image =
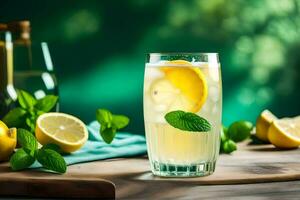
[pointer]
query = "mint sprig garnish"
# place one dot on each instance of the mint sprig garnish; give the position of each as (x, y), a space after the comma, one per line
(187, 121)
(110, 124)
(29, 109)
(47, 156)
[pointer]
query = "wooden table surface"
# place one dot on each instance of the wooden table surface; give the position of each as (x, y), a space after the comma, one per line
(252, 172)
(268, 161)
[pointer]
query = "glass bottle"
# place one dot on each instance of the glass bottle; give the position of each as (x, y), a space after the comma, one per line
(33, 67)
(22, 44)
(8, 94)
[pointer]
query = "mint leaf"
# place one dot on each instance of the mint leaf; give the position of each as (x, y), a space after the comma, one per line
(21, 160)
(47, 103)
(120, 121)
(229, 146)
(51, 160)
(25, 116)
(239, 130)
(25, 99)
(107, 134)
(15, 117)
(104, 117)
(30, 122)
(187, 121)
(110, 124)
(27, 140)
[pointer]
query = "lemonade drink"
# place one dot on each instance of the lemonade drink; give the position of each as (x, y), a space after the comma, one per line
(190, 83)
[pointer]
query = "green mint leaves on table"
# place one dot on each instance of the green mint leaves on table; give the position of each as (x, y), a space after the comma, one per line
(21, 160)
(27, 141)
(187, 121)
(28, 111)
(48, 156)
(110, 124)
(237, 132)
(52, 160)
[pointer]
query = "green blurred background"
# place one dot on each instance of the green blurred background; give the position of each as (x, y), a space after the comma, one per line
(99, 47)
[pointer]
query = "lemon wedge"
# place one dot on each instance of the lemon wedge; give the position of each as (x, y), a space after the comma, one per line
(285, 133)
(67, 131)
(263, 123)
(183, 87)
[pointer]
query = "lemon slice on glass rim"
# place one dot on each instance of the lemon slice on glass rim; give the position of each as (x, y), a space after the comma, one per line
(64, 130)
(183, 87)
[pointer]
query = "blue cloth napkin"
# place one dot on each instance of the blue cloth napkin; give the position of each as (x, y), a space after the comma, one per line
(124, 145)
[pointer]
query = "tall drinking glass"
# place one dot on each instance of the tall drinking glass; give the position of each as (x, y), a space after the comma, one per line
(189, 82)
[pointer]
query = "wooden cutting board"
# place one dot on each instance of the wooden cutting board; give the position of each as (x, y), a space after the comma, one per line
(250, 164)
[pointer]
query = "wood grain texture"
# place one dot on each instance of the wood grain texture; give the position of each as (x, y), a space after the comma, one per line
(33, 183)
(133, 179)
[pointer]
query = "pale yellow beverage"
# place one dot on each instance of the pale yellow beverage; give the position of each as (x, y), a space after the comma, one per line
(191, 83)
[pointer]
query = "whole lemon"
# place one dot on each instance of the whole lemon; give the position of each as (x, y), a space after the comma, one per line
(8, 141)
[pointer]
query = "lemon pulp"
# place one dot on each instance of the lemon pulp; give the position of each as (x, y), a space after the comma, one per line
(285, 133)
(65, 130)
(183, 88)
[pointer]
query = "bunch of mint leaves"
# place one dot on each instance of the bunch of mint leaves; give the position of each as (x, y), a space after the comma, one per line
(187, 121)
(25, 115)
(110, 124)
(48, 156)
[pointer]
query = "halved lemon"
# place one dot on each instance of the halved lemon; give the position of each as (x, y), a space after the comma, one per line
(263, 123)
(183, 87)
(65, 130)
(284, 133)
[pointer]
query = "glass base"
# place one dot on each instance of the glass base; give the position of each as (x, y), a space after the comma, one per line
(172, 170)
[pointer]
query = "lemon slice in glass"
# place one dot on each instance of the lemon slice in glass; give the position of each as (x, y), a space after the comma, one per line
(67, 131)
(183, 87)
(284, 133)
